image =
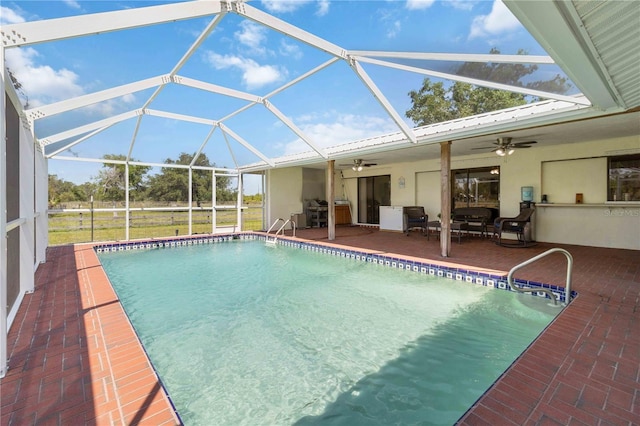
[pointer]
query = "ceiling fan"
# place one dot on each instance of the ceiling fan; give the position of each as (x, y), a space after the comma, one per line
(359, 164)
(505, 146)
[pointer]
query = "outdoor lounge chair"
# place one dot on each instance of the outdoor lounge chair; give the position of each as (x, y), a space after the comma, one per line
(515, 225)
(415, 217)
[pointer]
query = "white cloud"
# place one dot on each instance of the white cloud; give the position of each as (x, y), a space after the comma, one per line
(44, 85)
(323, 7)
(287, 6)
(394, 29)
(252, 35)
(41, 83)
(419, 4)
(254, 75)
(390, 21)
(335, 129)
(72, 3)
(8, 16)
(111, 106)
(462, 4)
(291, 50)
(283, 6)
(499, 20)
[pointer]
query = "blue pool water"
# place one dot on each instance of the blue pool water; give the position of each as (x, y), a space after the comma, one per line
(246, 334)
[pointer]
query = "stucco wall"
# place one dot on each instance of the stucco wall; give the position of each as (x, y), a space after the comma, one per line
(599, 225)
(284, 189)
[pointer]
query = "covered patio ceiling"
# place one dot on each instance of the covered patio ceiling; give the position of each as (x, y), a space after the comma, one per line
(595, 44)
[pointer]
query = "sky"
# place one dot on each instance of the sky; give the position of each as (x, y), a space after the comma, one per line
(331, 107)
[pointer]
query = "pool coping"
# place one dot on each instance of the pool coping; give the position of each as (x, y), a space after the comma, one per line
(480, 276)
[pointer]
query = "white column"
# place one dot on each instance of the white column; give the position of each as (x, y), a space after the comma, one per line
(190, 200)
(126, 200)
(240, 196)
(331, 213)
(264, 200)
(214, 197)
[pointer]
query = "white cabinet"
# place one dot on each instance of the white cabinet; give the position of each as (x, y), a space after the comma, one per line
(391, 218)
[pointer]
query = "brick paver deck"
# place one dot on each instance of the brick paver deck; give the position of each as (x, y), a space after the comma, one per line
(74, 358)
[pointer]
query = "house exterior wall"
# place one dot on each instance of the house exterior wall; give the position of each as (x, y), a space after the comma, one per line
(284, 193)
(559, 171)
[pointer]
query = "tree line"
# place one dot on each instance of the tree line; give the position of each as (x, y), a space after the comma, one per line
(170, 185)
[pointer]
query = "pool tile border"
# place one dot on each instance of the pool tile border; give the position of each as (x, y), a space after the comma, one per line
(383, 259)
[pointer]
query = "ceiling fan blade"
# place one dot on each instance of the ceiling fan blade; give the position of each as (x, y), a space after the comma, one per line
(520, 144)
(370, 164)
(485, 147)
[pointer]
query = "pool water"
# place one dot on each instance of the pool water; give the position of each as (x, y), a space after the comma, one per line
(246, 334)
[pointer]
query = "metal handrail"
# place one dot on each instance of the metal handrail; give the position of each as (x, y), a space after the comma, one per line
(545, 290)
(275, 237)
(275, 223)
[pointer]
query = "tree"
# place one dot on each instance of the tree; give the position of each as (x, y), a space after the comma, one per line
(172, 184)
(111, 179)
(434, 103)
(62, 191)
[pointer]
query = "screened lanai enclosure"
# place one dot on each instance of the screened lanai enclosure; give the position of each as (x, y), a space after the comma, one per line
(157, 119)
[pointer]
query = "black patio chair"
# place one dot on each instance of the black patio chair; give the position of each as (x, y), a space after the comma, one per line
(415, 217)
(515, 225)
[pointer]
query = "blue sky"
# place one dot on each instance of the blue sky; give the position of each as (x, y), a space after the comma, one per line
(331, 107)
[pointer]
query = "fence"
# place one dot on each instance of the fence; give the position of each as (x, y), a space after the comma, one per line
(81, 224)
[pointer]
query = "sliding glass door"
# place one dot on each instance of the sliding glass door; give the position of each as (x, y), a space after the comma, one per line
(373, 192)
(479, 187)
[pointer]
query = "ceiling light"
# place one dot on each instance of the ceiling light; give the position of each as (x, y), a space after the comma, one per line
(500, 152)
(511, 151)
(356, 168)
(495, 171)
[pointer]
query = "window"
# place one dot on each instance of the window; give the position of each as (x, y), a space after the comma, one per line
(624, 178)
(476, 187)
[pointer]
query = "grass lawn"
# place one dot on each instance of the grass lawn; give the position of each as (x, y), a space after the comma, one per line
(74, 227)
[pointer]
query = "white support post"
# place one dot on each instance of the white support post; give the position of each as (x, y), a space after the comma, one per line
(331, 214)
(264, 200)
(190, 201)
(240, 196)
(214, 193)
(3, 225)
(126, 201)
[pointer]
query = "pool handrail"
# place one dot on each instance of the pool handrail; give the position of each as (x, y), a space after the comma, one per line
(545, 290)
(275, 237)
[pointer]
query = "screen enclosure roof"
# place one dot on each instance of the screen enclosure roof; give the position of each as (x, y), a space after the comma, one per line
(255, 85)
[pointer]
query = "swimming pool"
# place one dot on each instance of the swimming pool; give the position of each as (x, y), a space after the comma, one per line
(244, 334)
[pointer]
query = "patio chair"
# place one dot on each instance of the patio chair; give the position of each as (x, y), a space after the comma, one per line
(515, 225)
(415, 217)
